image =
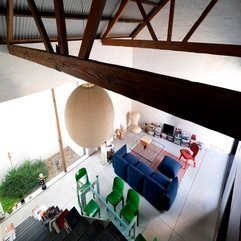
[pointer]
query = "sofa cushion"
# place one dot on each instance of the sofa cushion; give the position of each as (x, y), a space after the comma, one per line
(161, 179)
(120, 167)
(131, 159)
(145, 169)
(154, 192)
(122, 151)
(135, 178)
(169, 167)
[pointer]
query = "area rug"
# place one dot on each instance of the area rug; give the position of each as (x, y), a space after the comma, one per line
(155, 163)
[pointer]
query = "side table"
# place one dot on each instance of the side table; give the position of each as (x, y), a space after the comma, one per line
(145, 141)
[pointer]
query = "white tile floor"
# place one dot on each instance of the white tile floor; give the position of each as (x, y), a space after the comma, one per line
(192, 217)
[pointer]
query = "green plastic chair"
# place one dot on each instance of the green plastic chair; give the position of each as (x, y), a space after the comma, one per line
(82, 179)
(116, 195)
(130, 210)
(140, 237)
(91, 208)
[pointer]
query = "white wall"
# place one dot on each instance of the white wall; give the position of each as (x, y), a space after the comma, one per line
(20, 77)
(28, 131)
(27, 123)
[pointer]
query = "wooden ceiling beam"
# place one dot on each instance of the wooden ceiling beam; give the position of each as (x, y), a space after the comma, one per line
(205, 48)
(199, 21)
(9, 21)
(61, 27)
(38, 40)
(40, 26)
(130, 20)
(151, 15)
(170, 22)
(146, 20)
(115, 18)
(202, 104)
(94, 18)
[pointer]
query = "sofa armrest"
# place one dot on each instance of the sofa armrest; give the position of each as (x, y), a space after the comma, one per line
(171, 193)
(122, 151)
(120, 166)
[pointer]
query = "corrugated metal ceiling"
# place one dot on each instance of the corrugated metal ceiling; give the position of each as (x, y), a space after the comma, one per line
(24, 27)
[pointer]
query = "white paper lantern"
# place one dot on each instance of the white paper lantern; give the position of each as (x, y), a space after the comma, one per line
(89, 115)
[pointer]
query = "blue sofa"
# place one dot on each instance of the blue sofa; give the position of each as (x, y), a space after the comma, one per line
(158, 187)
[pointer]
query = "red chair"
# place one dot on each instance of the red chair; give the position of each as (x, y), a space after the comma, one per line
(190, 154)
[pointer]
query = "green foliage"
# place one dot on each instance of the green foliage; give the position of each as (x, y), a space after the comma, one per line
(8, 203)
(21, 181)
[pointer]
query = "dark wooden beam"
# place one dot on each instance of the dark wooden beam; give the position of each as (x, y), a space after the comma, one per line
(115, 18)
(61, 27)
(9, 21)
(151, 15)
(40, 26)
(170, 22)
(205, 48)
(212, 107)
(147, 22)
(199, 21)
(95, 13)
(38, 40)
(130, 20)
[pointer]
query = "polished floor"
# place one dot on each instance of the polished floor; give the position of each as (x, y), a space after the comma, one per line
(193, 215)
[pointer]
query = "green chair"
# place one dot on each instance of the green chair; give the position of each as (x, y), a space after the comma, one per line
(130, 210)
(91, 208)
(116, 195)
(140, 237)
(82, 179)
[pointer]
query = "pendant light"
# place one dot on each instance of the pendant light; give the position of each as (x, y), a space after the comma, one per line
(89, 115)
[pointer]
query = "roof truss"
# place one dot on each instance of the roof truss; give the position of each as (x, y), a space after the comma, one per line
(169, 44)
(160, 91)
